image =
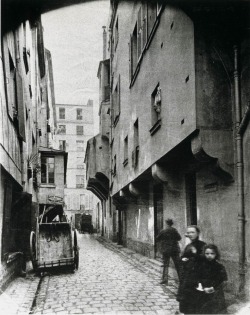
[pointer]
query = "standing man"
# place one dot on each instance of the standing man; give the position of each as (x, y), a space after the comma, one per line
(169, 247)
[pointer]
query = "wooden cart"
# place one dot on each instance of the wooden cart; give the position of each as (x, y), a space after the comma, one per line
(53, 244)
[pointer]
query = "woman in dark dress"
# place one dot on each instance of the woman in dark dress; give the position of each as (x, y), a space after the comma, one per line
(187, 295)
(212, 274)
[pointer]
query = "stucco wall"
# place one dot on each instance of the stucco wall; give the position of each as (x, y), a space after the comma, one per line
(158, 66)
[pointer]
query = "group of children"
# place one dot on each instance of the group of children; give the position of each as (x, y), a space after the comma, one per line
(201, 278)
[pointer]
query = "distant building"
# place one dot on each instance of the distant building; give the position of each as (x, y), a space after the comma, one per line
(75, 125)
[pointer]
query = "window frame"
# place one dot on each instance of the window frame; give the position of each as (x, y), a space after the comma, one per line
(62, 115)
(62, 145)
(144, 36)
(80, 185)
(79, 115)
(116, 103)
(78, 148)
(125, 157)
(155, 111)
(47, 182)
(77, 130)
(61, 131)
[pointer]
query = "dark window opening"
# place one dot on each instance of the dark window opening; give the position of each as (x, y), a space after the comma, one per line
(125, 162)
(61, 113)
(79, 114)
(79, 130)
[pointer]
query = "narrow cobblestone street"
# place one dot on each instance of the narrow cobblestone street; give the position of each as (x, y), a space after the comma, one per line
(104, 283)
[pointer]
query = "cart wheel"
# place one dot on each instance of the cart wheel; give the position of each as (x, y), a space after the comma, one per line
(76, 251)
(33, 249)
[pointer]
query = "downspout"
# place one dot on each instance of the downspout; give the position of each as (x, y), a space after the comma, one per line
(240, 174)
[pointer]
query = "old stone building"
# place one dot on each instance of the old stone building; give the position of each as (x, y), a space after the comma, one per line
(28, 125)
(179, 137)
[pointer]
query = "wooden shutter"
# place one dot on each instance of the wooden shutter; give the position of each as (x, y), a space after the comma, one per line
(20, 105)
(131, 58)
(139, 33)
(118, 95)
(144, 25)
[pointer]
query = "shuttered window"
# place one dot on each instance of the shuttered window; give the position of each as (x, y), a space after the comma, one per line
(20, 106)
(116, 101)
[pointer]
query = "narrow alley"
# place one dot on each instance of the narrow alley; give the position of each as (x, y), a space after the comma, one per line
(104, 283)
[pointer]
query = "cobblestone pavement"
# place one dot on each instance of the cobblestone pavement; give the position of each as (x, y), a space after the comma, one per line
(105, 283)
(19, 295)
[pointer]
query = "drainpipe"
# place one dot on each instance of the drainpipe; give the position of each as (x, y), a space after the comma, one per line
(240, 174)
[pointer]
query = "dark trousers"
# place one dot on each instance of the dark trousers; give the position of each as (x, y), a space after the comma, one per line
(166, 259)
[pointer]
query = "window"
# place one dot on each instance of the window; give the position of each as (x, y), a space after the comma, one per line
(80, 181)
(80, 145)
(133, 52)
(156, 98)
(47, 170)
(135, 152)
(80, 162)
(191, 203)
(61, 129)
(116, 33)
(25, 59)
(125, 162)
(12, 88)
(62, 145)
(79, 114)
(82, 202)
(114, 166)
(145, 27)
(61, 113)
(79, 130)
(116, 102)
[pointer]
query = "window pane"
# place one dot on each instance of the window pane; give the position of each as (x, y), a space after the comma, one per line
(47, 170)
(79, 130)
(43, 170)
(80, 145)
(79, 114)
(62, 129)
(61, 113)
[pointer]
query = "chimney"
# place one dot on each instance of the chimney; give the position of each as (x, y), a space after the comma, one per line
(104, 42)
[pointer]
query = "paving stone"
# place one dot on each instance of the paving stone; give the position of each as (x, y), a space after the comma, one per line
(106, 282)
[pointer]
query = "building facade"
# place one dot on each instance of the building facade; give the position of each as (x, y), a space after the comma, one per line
(179, 136)
(74, 128)
(27, 123)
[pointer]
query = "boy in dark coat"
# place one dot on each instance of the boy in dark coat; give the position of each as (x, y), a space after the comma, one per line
(212, 274)
(169, 247)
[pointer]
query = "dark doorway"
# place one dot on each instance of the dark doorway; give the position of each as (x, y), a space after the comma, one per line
(158, 212)
(121, 227)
